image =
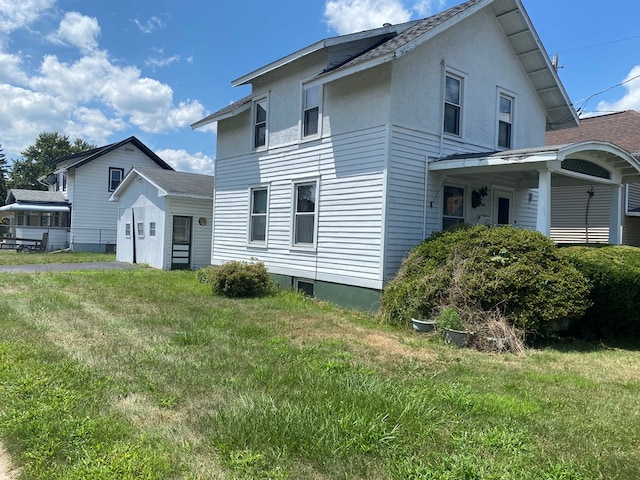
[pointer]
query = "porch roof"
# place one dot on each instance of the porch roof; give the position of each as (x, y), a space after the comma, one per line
(623, 167)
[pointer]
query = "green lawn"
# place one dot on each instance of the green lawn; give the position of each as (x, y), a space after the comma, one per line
(11, 257)
(144, 374)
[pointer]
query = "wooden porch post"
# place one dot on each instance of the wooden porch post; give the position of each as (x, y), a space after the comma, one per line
(543, 219)
(615, 216)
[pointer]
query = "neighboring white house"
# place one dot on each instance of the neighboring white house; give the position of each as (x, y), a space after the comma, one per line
(164, 218)
(352, 150)
(84, 181)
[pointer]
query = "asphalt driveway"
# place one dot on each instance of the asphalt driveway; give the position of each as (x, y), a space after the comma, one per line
(64, 267)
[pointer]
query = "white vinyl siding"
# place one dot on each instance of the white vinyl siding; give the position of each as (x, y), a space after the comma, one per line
(349, 209)
(94, 217)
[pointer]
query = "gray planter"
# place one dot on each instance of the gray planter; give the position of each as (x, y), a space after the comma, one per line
(423, 326)
(461, 338)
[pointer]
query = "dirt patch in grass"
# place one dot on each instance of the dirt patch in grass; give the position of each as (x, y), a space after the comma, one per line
(7, 470)
(381, 345)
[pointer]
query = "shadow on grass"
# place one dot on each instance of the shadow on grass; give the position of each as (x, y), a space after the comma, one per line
(568, 343)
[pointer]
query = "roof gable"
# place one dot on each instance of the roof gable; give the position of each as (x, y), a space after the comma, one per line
(396, 41)
(77, 160)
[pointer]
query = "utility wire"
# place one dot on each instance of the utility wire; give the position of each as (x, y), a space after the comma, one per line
(584, 103)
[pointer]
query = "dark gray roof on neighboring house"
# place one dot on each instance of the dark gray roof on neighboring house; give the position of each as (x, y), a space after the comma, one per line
(179, 183)
(621, 128)
(34, 196)
(79, 159)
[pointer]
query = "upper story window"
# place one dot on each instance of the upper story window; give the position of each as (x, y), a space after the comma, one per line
(311, 110)
(305, 209)
(452, 104)
(505, 121)
(258, 215)
(115, 177)
(260, 109)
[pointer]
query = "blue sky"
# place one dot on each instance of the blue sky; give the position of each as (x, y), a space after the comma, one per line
(106, 70)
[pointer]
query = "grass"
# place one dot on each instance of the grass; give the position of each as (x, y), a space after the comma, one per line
(11, 257)
(144, 374)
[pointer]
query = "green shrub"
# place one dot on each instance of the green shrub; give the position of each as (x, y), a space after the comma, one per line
(518, 272)
(614, 272)
(240, 279)
(206, 274)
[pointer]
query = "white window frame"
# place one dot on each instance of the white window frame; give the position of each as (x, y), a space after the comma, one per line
(140, 229)
(127, 230)
(295, 214)
(252, 215)
(152, 229)
(264, 103)
(511, 97)
(463, 217)
(459, 106)
(111, 170)
(306, 108)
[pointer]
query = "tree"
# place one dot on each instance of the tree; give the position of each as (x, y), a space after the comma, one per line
(39, 159)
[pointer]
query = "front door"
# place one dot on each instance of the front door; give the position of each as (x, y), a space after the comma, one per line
(502, 207)
(181, 243)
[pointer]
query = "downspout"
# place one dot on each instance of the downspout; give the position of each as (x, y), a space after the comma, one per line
(443, 72)
(591, 193)
(133, 233)
(424, 206)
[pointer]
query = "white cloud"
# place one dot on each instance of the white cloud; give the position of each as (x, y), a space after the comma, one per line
(426, 8)
(15, 14)
(184, 161)
(150, 26)
(79, 31)
(91, 123)
(11, 71)
(160, 60)
(631, 99)
(348, 16)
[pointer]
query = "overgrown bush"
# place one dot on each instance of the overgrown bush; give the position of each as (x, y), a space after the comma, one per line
(239, 279)
(516, 272)
(614, 272)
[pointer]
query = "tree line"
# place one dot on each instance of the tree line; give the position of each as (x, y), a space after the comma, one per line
(37, 160)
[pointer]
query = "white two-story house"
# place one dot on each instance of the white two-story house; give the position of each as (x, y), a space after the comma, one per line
(352, 150)
(76, 212)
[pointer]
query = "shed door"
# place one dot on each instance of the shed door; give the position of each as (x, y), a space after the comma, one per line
(181, 243)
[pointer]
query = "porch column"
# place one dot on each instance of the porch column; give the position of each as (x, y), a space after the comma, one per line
(615, 216)
(543, 219)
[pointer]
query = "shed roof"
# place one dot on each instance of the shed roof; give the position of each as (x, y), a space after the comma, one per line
(170, 183)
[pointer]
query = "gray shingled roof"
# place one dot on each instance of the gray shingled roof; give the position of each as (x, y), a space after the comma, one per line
(409, 35)
(179, 183)
(35, 196)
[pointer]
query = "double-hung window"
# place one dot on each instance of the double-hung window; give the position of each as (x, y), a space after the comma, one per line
(260, 110)
(452, 104)
(505, 121)
(305, 211)
(259, 198)
(115, 177)
(140, 229)
(452, 206)
(127, 230)
(152, 229)
(311, 110)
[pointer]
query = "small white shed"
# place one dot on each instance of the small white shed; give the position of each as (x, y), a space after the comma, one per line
(164, 218)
